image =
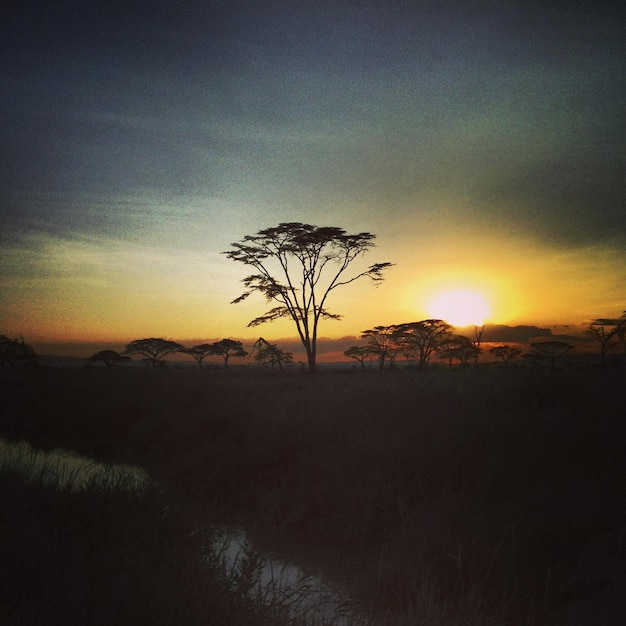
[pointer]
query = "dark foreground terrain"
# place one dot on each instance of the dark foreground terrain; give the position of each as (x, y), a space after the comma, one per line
(436, 497)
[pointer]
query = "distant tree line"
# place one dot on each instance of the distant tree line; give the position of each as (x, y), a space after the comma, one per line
(154, 350)
(296, 267)
(423, 340)
(417, 341)
(414, 341)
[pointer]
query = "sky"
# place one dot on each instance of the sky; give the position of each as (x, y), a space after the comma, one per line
(481, 142)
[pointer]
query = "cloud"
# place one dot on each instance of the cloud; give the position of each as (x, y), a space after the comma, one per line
(513, 334)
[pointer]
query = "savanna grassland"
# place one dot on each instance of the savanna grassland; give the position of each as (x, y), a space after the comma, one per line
(434, 497)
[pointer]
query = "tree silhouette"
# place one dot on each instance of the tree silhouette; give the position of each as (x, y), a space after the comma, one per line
(228, 348)
(297, 266)
(420, 339)
(478, 337)
(16, 352)
(506, 353)
(548, 352)
(109, 358)
(265, 353)
(199, 353)
(382, 342)
(359, 353)
(608, 333)
(154, 350)
(457, 347)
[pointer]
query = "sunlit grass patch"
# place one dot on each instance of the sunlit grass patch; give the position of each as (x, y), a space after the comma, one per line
(66, 470)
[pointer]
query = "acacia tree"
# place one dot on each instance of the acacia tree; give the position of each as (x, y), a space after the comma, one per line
(297, 266)
(608, 333)
(457, 347)
(109, 358)
(154, 350)
(382, 342)
(227, 348)
(420, 339)
(548, 352)
(359, 353)
(506, 353)
(265, 353)
(200, 352)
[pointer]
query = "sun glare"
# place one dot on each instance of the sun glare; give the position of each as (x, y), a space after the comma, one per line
(460, 308)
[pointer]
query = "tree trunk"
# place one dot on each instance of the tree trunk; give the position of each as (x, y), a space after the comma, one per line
(311, 361)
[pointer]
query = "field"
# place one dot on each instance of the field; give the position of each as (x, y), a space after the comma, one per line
(432, 497)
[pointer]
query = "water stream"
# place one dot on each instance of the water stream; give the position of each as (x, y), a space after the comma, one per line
(268, 577)
(311, 600)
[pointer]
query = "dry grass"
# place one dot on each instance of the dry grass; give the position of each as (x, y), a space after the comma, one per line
(439, 496)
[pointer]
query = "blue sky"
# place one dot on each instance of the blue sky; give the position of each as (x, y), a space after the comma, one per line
(482, 142)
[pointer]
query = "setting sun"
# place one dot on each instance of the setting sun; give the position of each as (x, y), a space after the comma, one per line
(460, 308)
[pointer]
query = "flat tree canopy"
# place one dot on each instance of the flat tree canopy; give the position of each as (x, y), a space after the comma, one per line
(153, 349)
(297, 266)
(609, 332)
(109, 357)
(227, 348)
(200, 352)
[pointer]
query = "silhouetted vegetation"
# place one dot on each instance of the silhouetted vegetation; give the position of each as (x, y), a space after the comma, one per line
(359, 353)
(547, 352)
(153, 350)
(416, 341)
(435, 497)
(227, 348)
(506, 353)
(266, 353)
(109, 358)
(200, 352)
(297, 266)
(457, 348)
(382, 344)
(609, 333)
(15, 352)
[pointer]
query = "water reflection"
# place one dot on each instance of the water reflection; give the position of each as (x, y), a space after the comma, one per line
(310, 600)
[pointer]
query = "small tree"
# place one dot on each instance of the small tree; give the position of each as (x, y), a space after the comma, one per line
(478, 338)
(548, 352)
(420, 339)
(297, 266)
(109, 358)
(505, 353)
(382, 342)
(16, 352)
(154, 350)
(228, 348)
(609, 333)
(457, 347)
(200, 352)
(359, 353)
(265, 353)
